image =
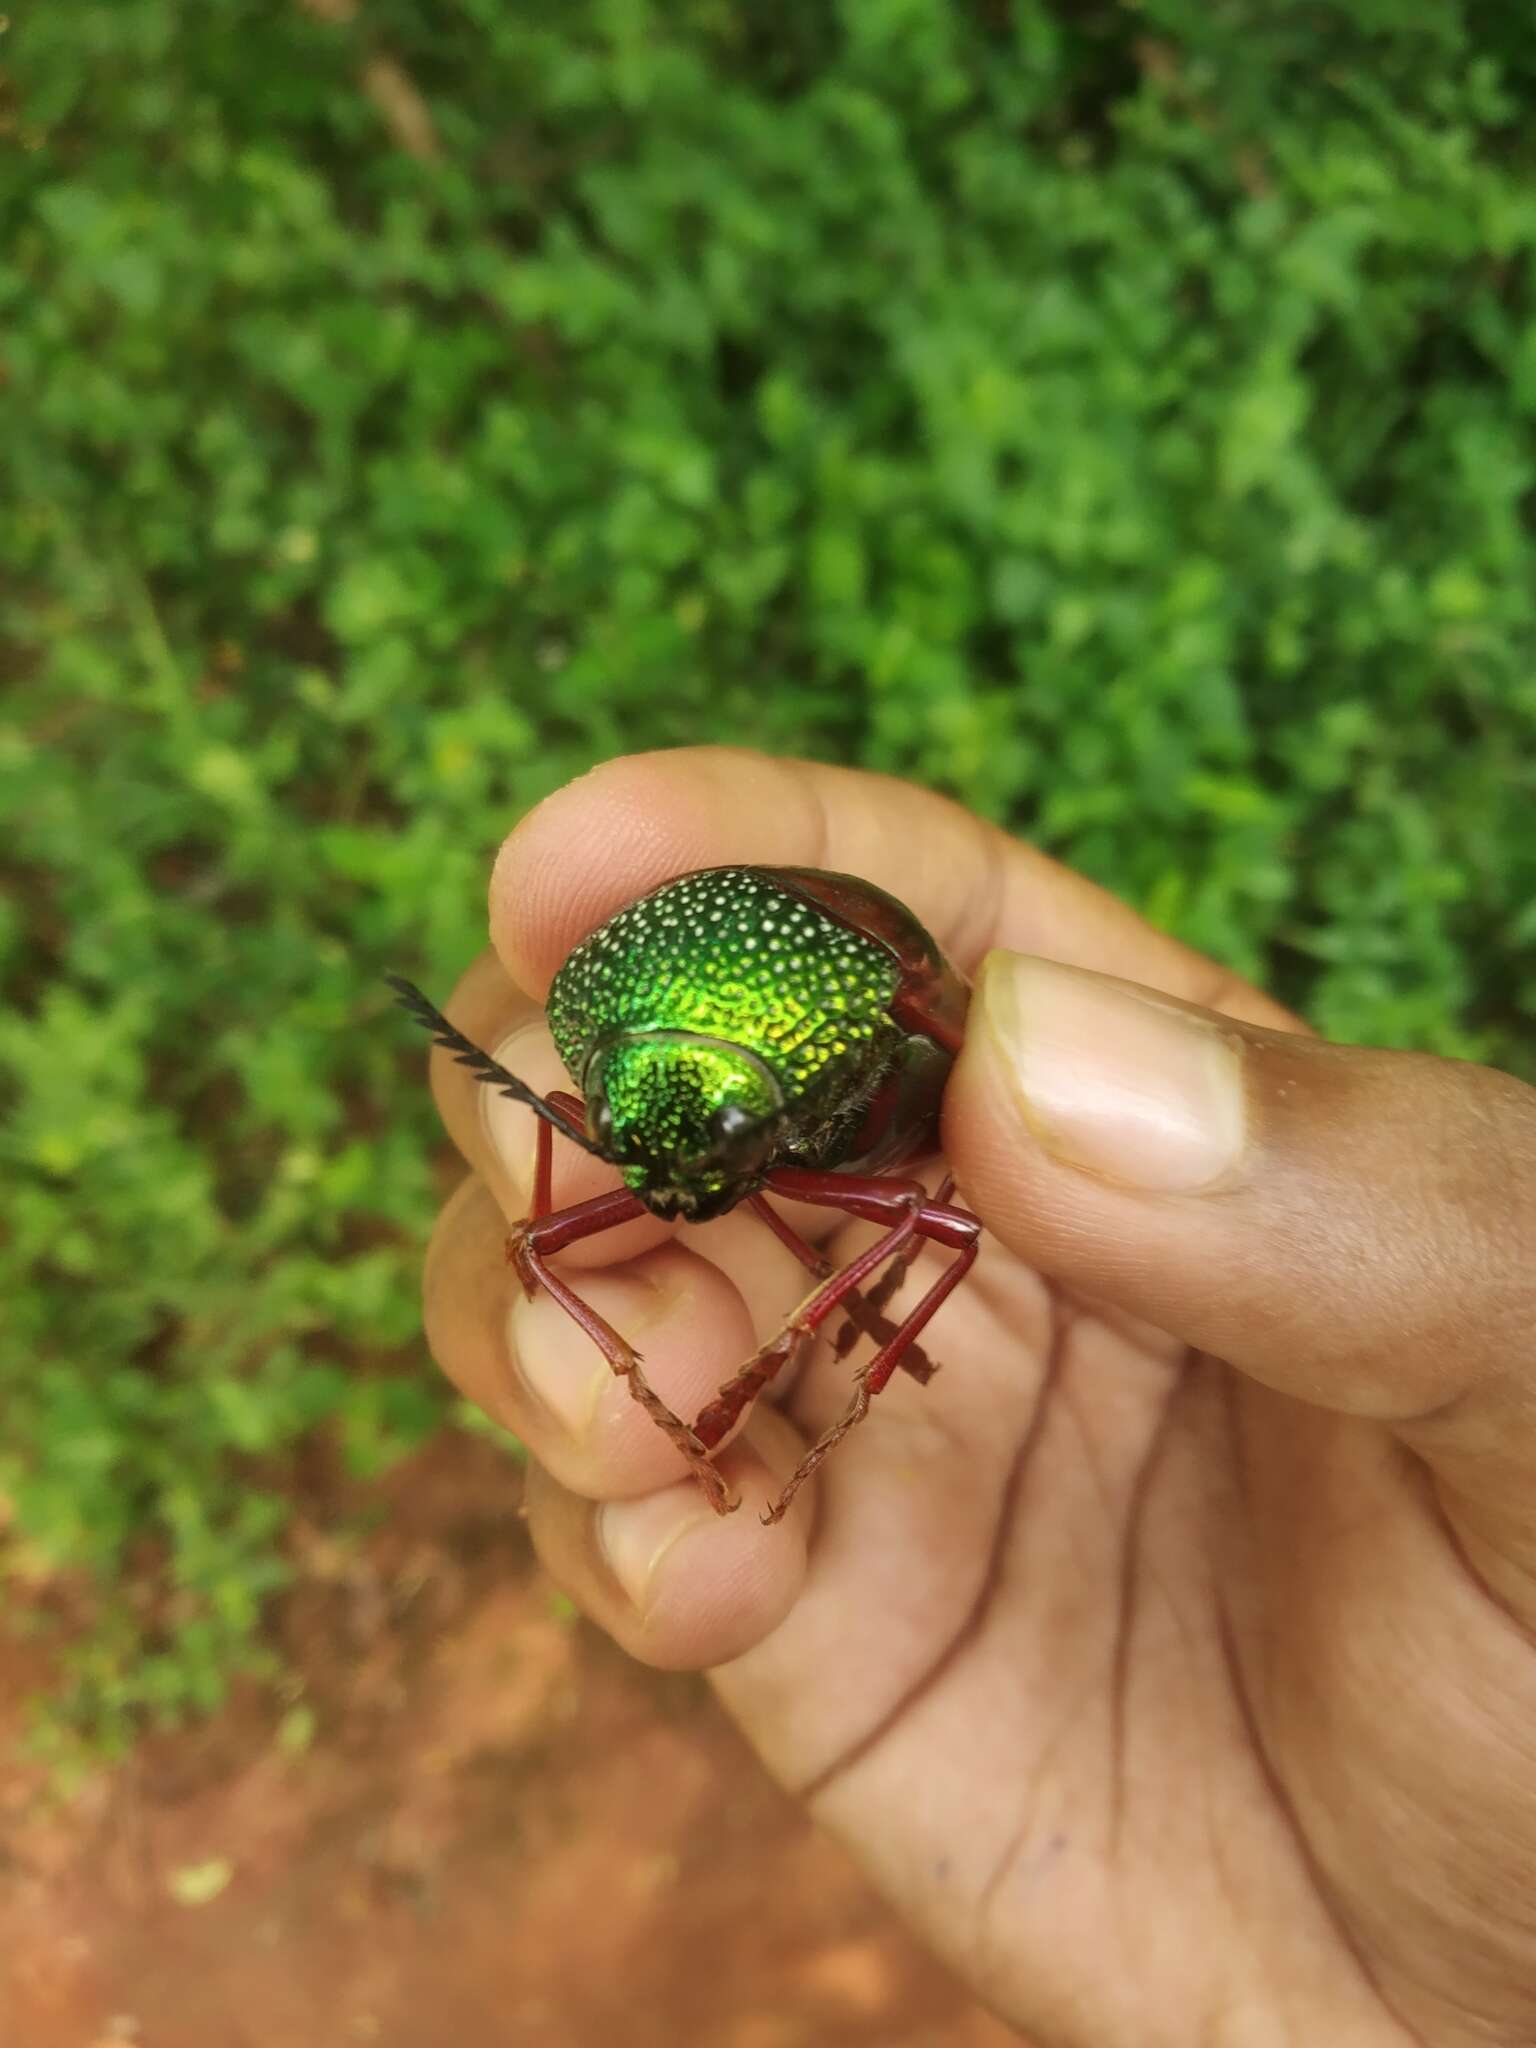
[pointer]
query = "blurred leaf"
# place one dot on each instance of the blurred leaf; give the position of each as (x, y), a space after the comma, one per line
(1121, 418)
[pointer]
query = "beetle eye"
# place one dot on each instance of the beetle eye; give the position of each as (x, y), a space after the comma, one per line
(737, 1138)
(730, 1123)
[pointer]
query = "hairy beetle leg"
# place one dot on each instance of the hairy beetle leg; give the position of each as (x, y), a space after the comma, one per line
(545, 1232)
(863, 1310)
(530, 1243)
(912, 1215)
(872, 1377)
(914, 1360)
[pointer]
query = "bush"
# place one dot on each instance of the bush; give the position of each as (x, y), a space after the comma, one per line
(1120, 416)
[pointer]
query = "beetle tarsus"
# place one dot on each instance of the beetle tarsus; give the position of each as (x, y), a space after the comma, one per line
(853, 1414)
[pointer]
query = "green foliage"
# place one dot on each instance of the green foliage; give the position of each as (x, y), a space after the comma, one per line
(1121, 416)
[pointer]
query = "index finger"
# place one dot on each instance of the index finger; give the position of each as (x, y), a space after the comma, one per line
(636, 822)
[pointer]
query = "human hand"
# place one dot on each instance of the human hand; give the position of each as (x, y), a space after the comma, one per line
(1170, 1661)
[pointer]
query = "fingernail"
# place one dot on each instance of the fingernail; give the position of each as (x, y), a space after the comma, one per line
(509, 1125)
(557, 1361)
(637, 1536)
(1113, 1078)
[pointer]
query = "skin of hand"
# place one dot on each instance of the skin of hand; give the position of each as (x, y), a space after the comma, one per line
(1170, 1661)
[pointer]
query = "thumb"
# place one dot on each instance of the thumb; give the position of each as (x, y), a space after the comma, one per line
(1352, 1227)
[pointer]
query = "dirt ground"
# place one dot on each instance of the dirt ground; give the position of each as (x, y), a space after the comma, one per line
(478, 1826)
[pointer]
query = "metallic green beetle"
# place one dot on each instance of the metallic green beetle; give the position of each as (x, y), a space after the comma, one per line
(738, 1032)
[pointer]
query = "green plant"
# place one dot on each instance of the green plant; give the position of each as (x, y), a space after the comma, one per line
(1120, 416)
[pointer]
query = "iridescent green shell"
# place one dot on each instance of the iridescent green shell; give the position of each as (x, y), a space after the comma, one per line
(731, 958)
(727, 954)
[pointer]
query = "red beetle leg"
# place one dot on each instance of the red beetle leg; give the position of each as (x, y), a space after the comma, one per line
(906, 1207)
(871, 1378)
(546, 1232)
(543, 1170)
(718, 1417)
(916, 1360)
(569, 1106)
(864, 1310)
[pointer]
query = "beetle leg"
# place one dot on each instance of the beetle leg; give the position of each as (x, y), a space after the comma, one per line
(915, 1360)
(543, 1180)
(815, 1262)
(912, 1214)
(872, 1376)
(529, 1248)
(737, 1394)
(543, 1163)
(864, 1317)
(541, 1206)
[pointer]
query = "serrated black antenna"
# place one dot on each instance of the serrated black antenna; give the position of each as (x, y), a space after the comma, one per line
(481, 1065)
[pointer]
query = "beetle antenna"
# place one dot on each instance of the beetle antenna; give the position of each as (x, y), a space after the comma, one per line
(481, 1065)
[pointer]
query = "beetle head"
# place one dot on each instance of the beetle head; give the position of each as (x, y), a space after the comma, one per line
(689, 1121)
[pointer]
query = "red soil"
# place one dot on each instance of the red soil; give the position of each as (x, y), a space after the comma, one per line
(500, 1834)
